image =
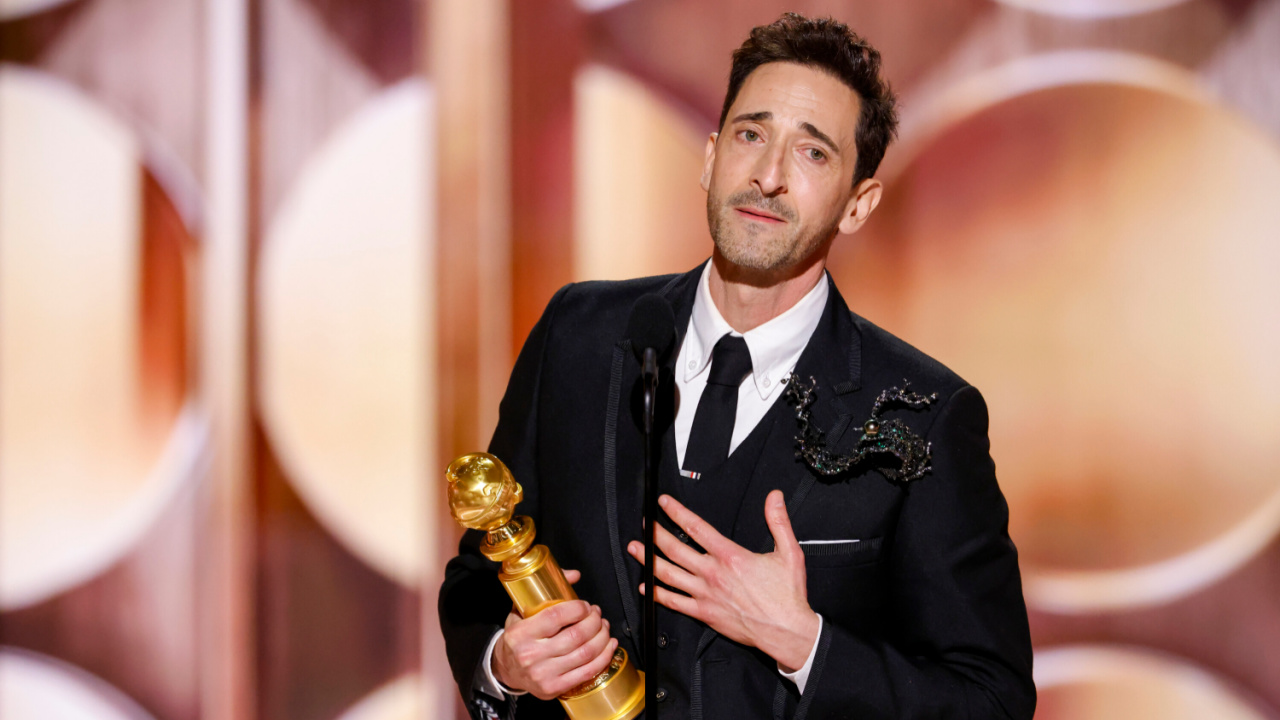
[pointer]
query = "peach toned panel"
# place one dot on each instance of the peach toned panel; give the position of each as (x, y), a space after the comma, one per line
(1096, 253)
(400, 699)
(1117, 683)
(310, 84)
(345, 357)
(87, 464)
(639, 209)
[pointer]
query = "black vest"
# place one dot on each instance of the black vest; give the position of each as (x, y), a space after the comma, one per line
(716, 497)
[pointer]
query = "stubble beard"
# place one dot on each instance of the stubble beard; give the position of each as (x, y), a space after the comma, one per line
(747, 248)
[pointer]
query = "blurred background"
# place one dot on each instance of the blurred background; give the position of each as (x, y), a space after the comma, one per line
(265, 265)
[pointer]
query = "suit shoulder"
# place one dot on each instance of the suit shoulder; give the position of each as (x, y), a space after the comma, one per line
(887, 358)
(602, 303)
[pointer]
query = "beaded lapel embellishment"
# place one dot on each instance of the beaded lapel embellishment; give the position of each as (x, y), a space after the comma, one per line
(881, 441)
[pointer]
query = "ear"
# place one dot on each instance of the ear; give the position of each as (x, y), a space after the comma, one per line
(709, 161)
(865, 199)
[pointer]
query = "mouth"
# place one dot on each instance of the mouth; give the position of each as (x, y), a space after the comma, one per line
(755, 213)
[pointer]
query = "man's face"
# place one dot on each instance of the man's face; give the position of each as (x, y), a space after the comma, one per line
(779, 176)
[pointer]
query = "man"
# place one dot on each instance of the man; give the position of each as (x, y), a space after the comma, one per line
(889, 589)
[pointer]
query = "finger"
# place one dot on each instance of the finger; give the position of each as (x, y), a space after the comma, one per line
(572, 576)
(784, 538)
(669, 572)
(678, 578)
(550, 621)
(574, 678)
(679, 552)
(581, 655)
(682, 604)
(572, 637)
(697, 528)
(682, 555)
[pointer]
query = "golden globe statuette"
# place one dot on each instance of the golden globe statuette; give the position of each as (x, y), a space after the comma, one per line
(482, 496)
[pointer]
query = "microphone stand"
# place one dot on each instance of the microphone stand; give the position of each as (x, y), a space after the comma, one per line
(650, 373)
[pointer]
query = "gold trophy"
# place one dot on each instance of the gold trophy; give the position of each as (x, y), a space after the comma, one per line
(482, 496)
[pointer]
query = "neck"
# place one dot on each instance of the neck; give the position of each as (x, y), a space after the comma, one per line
(749, 298)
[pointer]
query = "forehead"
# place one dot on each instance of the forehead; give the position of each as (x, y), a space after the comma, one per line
(796, 93)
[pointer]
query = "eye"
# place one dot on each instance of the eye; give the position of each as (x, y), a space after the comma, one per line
(816, 154)
(750, 135)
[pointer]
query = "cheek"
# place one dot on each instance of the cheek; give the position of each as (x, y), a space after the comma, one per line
(817, 199)
(715, 183)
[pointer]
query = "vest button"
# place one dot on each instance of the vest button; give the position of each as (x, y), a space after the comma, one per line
(684, 537)
(660, 695)
(662, 640)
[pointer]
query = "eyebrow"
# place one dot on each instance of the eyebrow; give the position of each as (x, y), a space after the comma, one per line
(809, 128)
(754, 117)
(820, 137)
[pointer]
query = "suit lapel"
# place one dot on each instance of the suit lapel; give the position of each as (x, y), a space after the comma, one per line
(624, 451)
(833, 360)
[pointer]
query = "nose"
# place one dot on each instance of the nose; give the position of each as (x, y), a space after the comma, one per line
(770, 172)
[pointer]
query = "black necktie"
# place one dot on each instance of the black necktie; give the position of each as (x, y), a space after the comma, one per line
(713, 422)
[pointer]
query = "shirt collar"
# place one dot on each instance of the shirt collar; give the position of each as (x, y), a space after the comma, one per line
(775, 346)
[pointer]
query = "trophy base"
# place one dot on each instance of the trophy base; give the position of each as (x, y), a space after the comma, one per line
(616, 694)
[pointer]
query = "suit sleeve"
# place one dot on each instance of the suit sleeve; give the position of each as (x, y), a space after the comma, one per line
(962, 648)
(473, 605)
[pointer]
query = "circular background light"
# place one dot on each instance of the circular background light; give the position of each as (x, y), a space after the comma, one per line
(1111, 683)
(1093, 8)
(95, 430)
(345, 322)
(1091, 242)
(37, 687)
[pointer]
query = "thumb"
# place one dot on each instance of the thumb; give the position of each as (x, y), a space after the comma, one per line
(784, 538)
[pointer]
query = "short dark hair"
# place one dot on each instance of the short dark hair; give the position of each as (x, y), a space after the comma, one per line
(828, 45)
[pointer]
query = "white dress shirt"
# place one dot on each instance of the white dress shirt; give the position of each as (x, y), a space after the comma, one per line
(775, 348)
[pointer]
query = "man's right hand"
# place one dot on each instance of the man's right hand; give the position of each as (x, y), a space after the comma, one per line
(554, 651)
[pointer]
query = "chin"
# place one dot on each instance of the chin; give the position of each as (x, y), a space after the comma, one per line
(752, 253)
(750, 258)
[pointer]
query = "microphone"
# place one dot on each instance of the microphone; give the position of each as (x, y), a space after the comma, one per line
(652, 330)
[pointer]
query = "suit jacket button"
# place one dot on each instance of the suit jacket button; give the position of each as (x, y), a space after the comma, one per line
(660, 695)
(662, 640)
(684, 537)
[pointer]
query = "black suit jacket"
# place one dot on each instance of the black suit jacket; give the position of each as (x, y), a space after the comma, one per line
(924, 616)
